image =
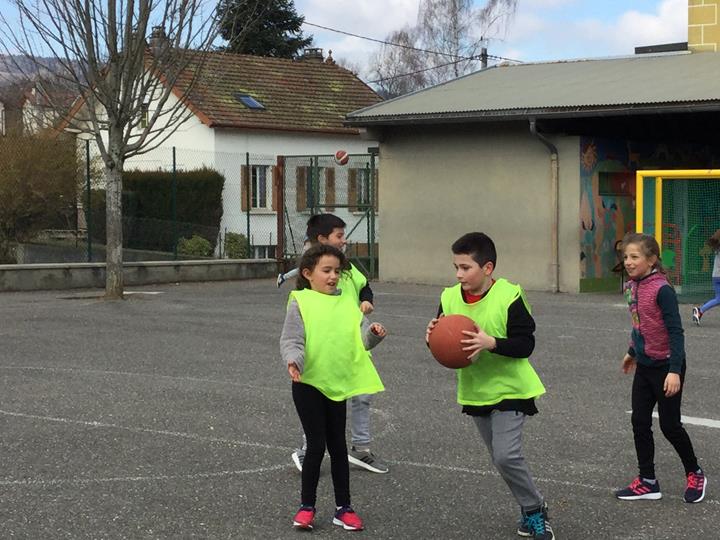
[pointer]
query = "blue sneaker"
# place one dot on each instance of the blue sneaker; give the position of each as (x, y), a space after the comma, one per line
(536, 525)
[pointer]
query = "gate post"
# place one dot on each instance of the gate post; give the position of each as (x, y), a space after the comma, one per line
(279, 181)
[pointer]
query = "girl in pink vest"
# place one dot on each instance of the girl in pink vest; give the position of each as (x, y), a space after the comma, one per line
(657, 354)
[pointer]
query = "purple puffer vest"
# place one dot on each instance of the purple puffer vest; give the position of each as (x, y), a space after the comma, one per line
(650, 336)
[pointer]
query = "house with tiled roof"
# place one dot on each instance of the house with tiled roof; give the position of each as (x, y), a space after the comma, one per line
(248, 110)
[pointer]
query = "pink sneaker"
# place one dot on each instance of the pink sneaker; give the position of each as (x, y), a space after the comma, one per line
(304, 518)
(346, 518)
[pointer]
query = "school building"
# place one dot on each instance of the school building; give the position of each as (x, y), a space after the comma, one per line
(542, 157)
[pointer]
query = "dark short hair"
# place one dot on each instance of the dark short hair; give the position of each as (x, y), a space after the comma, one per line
(312, 256)
(322, 225)
(478, 245)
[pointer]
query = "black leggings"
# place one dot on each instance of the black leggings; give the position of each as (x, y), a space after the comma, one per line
(647, 389)
(323, 421)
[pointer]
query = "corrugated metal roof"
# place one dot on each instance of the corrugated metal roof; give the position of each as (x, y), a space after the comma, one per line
(578, 86)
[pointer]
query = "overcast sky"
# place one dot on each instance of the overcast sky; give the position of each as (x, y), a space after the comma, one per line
(541, 29)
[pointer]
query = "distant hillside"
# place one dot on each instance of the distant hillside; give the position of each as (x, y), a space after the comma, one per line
(14, 69)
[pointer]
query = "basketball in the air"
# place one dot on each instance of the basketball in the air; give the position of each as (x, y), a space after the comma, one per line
(444, 340)
(342, 157)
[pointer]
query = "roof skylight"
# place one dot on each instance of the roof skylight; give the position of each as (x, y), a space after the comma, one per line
(249, 101)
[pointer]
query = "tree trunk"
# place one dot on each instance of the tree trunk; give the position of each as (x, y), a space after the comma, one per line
(114, 240)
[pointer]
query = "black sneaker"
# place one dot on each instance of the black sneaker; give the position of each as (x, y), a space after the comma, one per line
(695, 489)
(523, 528)
(640, 489)
(536, 525)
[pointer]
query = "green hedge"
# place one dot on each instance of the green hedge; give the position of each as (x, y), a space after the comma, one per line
(147, 208)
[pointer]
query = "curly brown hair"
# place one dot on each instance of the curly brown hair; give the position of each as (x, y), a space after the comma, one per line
(312, 256)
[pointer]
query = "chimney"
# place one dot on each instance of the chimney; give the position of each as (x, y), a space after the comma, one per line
(159, 42)
(703, 26)
(313, 55)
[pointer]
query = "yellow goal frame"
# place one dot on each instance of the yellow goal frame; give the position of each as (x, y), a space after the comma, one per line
(659, 175)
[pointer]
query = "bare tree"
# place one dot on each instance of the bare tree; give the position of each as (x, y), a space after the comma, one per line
(132, 93)
(399, 70)
(446, 43)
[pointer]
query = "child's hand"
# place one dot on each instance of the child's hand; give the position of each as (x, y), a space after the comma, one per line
(378, 329)
(294, 372)
(672, 384)
(429, 329)
(628, 363)
(477, 341)
(366, 307)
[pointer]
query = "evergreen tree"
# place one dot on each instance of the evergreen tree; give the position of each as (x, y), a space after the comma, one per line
(262, 27)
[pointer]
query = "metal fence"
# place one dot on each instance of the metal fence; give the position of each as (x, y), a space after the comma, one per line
(315, 184)
(265, 203)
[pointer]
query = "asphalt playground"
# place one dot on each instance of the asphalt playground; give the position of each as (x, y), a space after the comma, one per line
(169, 415)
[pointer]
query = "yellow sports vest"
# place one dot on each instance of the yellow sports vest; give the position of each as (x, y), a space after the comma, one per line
(336, 362)
(352, 280)
(492, 378)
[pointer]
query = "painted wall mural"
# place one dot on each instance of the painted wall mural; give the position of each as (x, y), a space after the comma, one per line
(607, 192)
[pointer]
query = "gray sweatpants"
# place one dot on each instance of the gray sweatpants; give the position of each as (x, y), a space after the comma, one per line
(502, 433)
(359, 421)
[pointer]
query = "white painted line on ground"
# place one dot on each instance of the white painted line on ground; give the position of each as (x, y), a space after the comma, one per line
(190, 436)
(692, 420)
(144, 292)
(51, 482)
(60, 481)
(144, 375)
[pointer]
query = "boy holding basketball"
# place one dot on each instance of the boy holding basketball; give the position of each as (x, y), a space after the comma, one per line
(498, 389)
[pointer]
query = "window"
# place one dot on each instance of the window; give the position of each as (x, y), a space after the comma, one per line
(315, 187)
(145, 115)
(264, 252)
(363, 189)
(249, 101)
(617, 184)
(260, 181)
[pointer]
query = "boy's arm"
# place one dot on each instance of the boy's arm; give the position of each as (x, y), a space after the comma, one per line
(520, 341)
(292, 339)
(366, 294)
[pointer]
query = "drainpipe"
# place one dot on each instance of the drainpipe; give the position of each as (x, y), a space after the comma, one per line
(554, 203)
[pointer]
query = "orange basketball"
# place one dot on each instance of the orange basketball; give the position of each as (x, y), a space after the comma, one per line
(445, 339)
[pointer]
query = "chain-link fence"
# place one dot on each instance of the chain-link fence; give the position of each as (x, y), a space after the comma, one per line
(184, 204)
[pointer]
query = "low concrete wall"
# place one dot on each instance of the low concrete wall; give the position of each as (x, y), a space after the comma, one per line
(29, 277)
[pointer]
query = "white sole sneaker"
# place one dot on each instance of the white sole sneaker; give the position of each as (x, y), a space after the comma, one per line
(339, 523)
(645, 496)
(365, 465)
(296, 460)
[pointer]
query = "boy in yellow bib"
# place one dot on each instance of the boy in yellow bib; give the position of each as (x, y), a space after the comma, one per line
(324, 344)
(499, 388)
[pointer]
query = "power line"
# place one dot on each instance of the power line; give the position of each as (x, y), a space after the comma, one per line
(410, 47)
(418, 71)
